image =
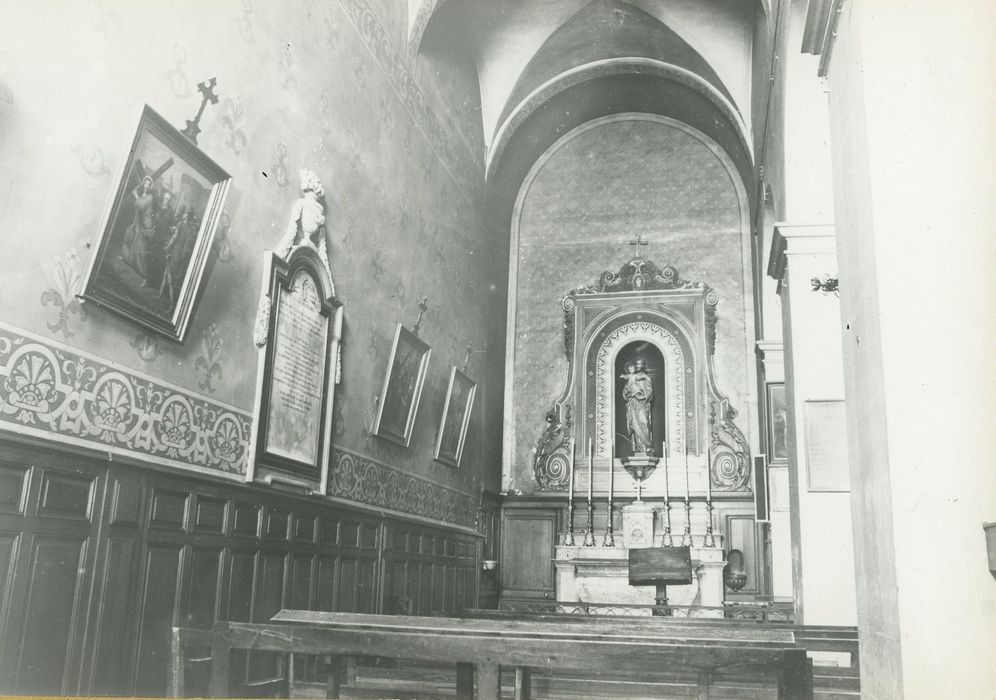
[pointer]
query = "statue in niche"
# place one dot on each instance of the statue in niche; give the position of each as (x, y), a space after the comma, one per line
(638, 393)
(307, 224)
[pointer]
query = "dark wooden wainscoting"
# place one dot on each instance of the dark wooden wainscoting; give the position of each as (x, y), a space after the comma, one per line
(98, 560)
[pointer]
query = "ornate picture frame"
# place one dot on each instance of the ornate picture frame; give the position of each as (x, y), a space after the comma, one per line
(455, 418)
(399, 399)
(292, 430)
(777, 428)
(148, 264)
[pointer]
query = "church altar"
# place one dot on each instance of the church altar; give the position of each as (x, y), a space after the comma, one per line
(600, 574)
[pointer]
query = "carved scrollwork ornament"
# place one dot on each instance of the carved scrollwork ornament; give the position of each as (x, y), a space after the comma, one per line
(729, 468)
(552, 464)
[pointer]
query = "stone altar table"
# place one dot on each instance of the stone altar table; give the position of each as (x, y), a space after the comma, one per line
(601, 575)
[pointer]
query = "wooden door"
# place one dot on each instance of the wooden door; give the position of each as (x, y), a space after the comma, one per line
(528, 541)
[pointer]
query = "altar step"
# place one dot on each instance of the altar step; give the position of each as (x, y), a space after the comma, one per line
(410, 682)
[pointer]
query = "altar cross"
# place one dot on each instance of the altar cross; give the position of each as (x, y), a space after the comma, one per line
(639, 242)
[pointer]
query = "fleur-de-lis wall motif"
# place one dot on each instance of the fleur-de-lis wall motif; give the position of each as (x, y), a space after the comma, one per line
(67, 269)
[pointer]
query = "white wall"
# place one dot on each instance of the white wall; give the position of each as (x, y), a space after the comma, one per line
(912, 105)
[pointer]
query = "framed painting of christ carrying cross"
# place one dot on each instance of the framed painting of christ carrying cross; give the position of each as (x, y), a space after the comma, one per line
(149, 262)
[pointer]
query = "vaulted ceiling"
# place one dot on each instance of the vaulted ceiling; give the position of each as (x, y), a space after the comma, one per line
(545, 67)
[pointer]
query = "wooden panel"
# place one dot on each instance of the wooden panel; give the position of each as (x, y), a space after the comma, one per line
(349, 534)
(246, 519)
(65, 496)
(126, 502)
(366, 595)
(202, 594)
(169, 510)
(112, 660)
(368, 536)
(300, 584)
(162, 565)
(263, 667)
(346, 601)
(328, 531)
(276, 524)
(183, 550)
(528, 539)
(242, 572)
(271, 587)
(13, 484)
(327, 584)
(53, 588)
(210, 515)
(304, 528)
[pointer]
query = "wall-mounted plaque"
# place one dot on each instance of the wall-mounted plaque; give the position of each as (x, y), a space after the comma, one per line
(402, 387)
(827, 466)
(299, 364)
(455, 418)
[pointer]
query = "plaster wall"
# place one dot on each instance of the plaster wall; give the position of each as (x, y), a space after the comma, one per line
(300, 85)
(822, 547)
(592, 193)
(911, 104)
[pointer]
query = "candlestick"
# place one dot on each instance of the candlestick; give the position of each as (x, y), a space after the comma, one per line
(569, 535)
(687, 490)
(708, 475)
(609, 540)
(666, 541)
(686, 538)
(664, 452)
(591, 459)
(709, 540)
(612, 477)
(570, 482)
(589, 533)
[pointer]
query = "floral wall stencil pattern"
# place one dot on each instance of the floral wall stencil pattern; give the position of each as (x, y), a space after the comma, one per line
(208, 365)
(177, 76)
(147, 347)
(232, 122)
(92, 159)
(67, 269)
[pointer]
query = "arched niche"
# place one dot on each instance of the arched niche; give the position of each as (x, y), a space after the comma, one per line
(643, 304)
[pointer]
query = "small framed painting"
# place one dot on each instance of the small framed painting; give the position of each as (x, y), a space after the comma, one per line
(399, 399)
(777, 424)
(455, 419)
(149, 261)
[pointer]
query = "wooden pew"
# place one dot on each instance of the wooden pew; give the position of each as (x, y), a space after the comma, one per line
(479, 647)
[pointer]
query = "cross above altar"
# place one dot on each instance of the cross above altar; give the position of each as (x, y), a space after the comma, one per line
(639, 243)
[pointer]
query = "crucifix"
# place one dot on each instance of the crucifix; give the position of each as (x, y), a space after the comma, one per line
(423, 306)
(207, 95)
(639, 243)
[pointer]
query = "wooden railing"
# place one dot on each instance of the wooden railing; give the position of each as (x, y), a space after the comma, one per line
(763, 612)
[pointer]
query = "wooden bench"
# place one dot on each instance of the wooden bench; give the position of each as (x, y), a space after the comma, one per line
(480, 647)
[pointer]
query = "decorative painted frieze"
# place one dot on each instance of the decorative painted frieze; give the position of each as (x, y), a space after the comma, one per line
(53, 391)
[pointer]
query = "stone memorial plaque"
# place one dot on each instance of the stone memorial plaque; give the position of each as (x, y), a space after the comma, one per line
(298, 329)
(298, 372)
(826, 446)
